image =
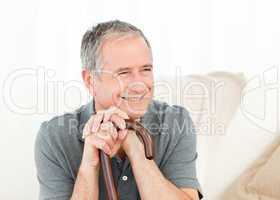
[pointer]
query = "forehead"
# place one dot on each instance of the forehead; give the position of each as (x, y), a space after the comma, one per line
(126, 51)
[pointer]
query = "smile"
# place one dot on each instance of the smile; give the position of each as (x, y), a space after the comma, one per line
(134, 97)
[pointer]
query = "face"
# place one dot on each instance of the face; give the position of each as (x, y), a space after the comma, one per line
(126, 80)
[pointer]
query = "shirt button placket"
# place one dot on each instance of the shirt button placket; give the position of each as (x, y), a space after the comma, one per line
(124, 178)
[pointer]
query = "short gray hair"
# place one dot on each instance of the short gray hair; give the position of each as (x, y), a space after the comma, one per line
(92, 39)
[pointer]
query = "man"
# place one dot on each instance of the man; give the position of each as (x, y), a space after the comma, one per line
(118, 73)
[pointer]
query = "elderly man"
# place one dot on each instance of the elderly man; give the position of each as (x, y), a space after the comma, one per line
(118, 73)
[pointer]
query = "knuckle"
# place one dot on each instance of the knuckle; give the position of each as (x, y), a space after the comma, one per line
(116, 117)
(94, 117)
(110, 124)
(102, 126)
(109, 127)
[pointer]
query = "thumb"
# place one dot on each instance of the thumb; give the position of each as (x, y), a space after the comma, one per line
(122, 134)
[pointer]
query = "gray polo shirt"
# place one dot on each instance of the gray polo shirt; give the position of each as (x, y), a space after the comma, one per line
(59, 149)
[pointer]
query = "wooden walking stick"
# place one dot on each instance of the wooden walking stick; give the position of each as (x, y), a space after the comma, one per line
(144, 136)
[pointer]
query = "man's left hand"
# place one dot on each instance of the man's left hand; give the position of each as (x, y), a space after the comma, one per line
(132, 145)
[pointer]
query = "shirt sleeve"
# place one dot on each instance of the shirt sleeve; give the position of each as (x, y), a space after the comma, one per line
(54, 182)
(180, 167)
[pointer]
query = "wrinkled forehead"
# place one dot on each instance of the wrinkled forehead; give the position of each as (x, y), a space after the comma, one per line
(125, 51)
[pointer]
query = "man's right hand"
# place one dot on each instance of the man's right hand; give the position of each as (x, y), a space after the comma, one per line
(100, 133)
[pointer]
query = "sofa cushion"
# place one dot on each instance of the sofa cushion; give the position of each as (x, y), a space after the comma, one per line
(261, 180)
(266, 181)
(211, 99)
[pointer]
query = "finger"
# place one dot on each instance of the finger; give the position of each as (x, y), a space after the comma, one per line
(118, 121)
(107, 137)
(114, 110)
(98, 117)
(88, 126)
(122, 134)
(110, 128)
(116, 148)
(100, 144)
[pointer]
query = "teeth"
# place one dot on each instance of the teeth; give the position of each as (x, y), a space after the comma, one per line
(134, 98)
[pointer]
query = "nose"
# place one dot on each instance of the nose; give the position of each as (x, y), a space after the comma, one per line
(137, 87)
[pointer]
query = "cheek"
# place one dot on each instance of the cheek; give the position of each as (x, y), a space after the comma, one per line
(104, 91)
(150, 82)
(115, 93)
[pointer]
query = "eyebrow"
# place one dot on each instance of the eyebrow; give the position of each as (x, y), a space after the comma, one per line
(128, 68)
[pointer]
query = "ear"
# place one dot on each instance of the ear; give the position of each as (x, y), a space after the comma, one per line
(88, 81)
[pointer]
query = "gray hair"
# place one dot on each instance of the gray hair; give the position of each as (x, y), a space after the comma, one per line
(92, 40)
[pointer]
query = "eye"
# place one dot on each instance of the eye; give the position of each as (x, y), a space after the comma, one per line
(147, 69)
(123, 73)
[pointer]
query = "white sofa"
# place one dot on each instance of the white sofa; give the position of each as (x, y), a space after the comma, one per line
(230, 134)
(223, 152)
